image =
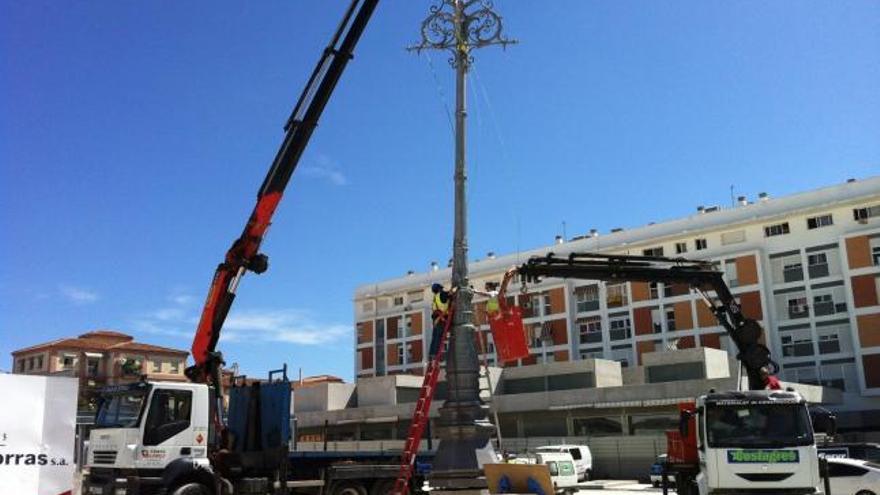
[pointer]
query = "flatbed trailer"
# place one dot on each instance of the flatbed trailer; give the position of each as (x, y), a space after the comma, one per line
(350, 472)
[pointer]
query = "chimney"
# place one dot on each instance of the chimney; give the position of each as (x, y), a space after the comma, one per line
(616, 230)
(410, 273)
(559, 239)
(763, 197)
(742, 201)
(850, 180)
(490, 255)
(434, 266)
(701, 209)
(594, 233)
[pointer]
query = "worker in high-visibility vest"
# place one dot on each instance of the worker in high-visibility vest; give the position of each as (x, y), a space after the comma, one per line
(494, 293)
(439, 314)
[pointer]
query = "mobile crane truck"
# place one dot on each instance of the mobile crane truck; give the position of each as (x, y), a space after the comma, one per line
(754, 441)
(174, 438)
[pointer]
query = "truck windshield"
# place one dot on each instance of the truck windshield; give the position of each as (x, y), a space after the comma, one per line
(121, 409)
(758, 425)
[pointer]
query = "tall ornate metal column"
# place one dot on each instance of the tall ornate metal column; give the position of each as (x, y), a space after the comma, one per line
(464, 430)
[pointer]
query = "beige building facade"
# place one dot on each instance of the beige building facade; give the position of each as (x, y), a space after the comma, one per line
(100, 358)
(807, 266)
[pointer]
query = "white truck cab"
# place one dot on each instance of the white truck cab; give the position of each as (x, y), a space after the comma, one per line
(755, 442)
(141, 429)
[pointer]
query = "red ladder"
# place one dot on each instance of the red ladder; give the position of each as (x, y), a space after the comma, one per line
(420, 414)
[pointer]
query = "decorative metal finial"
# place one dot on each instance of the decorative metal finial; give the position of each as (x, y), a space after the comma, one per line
(479, 26)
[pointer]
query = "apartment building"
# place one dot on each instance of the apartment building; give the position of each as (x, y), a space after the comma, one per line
(99, 358)
(807, 266)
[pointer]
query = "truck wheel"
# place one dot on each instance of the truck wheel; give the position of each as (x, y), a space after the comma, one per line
(382, 487)
(191, 489)
(348, 488)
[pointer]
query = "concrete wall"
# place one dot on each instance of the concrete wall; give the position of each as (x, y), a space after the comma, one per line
(324, 397)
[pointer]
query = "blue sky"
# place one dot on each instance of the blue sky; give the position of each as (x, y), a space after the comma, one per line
(133, 137)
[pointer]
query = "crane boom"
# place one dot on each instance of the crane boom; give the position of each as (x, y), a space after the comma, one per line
(699, 275)
(244, 253)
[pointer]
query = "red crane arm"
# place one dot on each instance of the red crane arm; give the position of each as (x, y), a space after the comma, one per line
(244, 254)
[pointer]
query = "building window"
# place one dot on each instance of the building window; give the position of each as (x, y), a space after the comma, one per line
(416, 296)
(654, 290)
(820, 221)
(367, 306)
(817, 265)
(829, 343)
(407, 326)
(681, 247)
(398, 300)
(863, 214)
(175, 366)
(157, 366)
(590, 330)
(875, 250)
(30, 364)
(619, 328)
(700, 244)
(797, 344)
(787, 268)
(777, 229)
(615, 295)
(92, 367)
(670, 320)
(655, 251)
(67, 361)
(731, 273)
(587, 298)
(656, 324)
(40, 362)
(592, 354)
(21, 363)
(797, 307)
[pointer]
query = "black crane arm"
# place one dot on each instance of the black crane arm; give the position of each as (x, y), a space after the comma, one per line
(699, 275)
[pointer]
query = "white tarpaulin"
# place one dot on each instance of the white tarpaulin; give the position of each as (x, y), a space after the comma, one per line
(37, 423)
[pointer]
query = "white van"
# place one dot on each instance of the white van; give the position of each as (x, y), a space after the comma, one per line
(583, 458)
(562, 470)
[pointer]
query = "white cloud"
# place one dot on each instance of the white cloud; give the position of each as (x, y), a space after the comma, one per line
(292, 326)
(182, 299)
(325, 168)
(78, 295)
(285, 325)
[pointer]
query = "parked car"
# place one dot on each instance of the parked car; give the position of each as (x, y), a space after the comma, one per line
(657, 472)
(561, 466)
(583, 458)
(864, 451)
(853, 476)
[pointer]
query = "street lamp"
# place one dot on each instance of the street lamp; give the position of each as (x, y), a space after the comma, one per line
(465, 432)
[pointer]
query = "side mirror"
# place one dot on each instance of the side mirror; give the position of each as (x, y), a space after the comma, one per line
(824, 421)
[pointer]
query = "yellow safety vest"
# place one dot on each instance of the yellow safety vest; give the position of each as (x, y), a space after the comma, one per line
(440, 305)
(492, 305)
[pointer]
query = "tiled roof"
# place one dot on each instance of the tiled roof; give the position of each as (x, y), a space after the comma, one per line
(98, 341)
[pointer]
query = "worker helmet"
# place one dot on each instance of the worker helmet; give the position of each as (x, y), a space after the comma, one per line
(435, 288)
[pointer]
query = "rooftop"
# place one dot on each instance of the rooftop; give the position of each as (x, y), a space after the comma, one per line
(101, 340)
(704, 220)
